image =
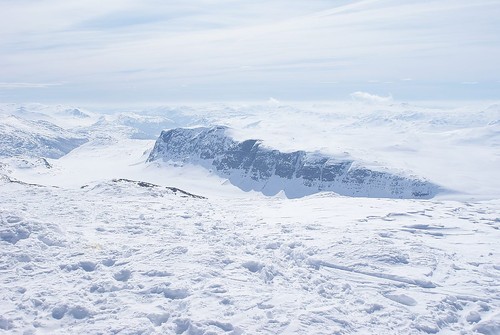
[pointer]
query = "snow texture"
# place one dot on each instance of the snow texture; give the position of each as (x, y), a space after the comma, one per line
(81, 261)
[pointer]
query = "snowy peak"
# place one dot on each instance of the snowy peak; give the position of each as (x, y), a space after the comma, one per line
(251, 165)
(40, 138)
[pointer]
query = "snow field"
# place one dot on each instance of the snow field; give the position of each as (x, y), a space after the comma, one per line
(124, 259)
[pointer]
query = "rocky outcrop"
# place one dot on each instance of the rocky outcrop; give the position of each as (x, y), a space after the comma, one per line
(251, 165)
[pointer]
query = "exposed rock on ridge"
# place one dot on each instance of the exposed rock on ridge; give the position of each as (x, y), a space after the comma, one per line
(252, 166)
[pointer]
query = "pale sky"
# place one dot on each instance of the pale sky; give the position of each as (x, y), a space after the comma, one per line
(125, 51)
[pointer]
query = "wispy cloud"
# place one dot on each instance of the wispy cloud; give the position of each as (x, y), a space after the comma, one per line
(27, 85)
(243, 49)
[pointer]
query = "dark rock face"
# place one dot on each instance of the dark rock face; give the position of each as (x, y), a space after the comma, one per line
(252, 166)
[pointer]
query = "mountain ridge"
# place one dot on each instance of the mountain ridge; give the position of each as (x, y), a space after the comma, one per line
(250, 165)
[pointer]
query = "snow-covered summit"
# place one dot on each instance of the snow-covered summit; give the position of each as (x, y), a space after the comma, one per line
(251, 165)
(40, 138)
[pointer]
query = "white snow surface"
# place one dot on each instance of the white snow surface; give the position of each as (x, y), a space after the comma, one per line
(121, 257)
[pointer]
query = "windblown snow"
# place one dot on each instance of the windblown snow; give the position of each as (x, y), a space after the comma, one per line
(96, 238)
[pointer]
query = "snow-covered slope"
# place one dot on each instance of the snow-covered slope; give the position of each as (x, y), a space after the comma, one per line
(120, 258)
(133, 187)
(252, 166)
(35, 138)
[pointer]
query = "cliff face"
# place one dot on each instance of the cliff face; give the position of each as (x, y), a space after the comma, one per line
(252, 166)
